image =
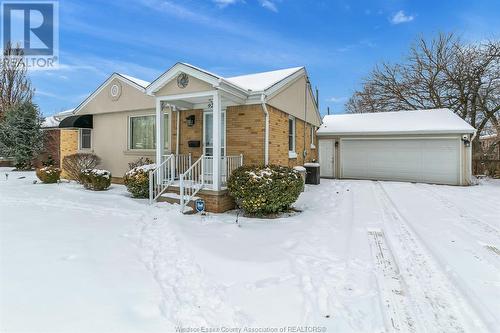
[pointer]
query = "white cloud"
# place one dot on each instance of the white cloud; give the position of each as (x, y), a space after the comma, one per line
(224, 3)
(269, 4)
(401, 17)
(334, 99)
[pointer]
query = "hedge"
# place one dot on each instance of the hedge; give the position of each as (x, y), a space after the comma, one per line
(95, 179)
(137, 180)
(49, 174)
(263, 190)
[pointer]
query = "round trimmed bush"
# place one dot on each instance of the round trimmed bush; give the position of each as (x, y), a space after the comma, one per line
(137, 180)
(95, 179)
(264, 190)
(48, 174)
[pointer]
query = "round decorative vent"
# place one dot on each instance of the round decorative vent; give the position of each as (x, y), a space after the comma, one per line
(115, 91)
(182, 80)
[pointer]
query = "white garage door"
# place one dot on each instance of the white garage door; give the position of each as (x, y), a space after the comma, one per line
(418, 160)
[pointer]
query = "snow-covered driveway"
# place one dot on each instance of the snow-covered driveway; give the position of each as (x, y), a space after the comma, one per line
(362, 257)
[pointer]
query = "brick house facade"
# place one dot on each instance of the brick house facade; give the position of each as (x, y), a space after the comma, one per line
(264, 118)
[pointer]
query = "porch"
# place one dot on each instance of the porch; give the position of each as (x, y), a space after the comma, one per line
(191, 111)
(192, 128)
(185, 177)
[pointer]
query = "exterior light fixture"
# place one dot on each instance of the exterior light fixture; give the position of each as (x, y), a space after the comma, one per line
(190, 120)
(465, 140)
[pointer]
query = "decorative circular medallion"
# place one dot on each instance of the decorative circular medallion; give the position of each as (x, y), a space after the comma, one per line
(115, 91)
(182, 80)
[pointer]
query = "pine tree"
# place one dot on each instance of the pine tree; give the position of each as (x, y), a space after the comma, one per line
(21, 136)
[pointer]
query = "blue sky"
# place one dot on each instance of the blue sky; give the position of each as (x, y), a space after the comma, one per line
(339, 42)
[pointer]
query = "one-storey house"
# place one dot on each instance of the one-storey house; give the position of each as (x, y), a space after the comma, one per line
(431, 146)
(198, 126)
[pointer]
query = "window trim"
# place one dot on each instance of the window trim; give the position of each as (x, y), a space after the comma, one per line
(292, 153)
(129, 123)
(80, 133)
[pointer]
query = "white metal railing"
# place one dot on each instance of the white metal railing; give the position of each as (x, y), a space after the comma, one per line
(200, 175)
(161, 177)
(228, 165)
(182, 164)
(191, 181)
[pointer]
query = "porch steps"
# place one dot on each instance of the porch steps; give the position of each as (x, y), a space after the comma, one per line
(171, 195)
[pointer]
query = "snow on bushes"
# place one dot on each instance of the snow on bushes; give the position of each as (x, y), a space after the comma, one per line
(263, 190)
(137, 180)
(48, 174)
(74, 164)
(95, 179)
(140, 162)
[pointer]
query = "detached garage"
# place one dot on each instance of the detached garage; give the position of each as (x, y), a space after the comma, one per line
(429, 146)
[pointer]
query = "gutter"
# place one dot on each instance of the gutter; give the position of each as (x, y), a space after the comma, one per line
(266, 131)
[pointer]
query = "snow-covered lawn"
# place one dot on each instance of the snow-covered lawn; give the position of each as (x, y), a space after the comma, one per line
(362, 257)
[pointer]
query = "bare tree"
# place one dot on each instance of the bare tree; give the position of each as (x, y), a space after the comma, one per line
(441, 73)
(15, 86)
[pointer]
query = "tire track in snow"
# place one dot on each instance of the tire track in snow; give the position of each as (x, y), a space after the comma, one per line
(484, 226)
(484, 252)
(189, 298)
(397, 309)
(438, 304)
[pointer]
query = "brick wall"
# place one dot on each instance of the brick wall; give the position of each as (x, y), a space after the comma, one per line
(245, 132)
(217, 202)
(245, 126)
(187, 133)
(69, 144)
(278, 140)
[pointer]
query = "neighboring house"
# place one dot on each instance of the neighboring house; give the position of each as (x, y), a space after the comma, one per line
(52, 138)
(431, 146)
(209, 125)
(487, 141)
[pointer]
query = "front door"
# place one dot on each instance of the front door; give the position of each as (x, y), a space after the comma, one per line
(208, 135)
(326, 157)
(208, 144)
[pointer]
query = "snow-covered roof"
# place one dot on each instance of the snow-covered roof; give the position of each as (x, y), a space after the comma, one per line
(256, 81)
(137, 81)
(50, 122)
(488, 136)
(401, 122)
(249, 83)
(54, 120)
(262, 81)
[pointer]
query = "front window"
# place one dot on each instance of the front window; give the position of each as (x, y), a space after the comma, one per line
(142, 132)
(85, 138)
(291, 134)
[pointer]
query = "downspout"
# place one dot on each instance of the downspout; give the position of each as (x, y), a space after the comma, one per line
(266, 130)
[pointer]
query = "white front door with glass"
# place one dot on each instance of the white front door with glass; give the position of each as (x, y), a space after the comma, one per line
(208, 135)
(208, 144)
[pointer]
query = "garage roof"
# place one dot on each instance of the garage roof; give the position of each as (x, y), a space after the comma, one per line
(433, 121)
